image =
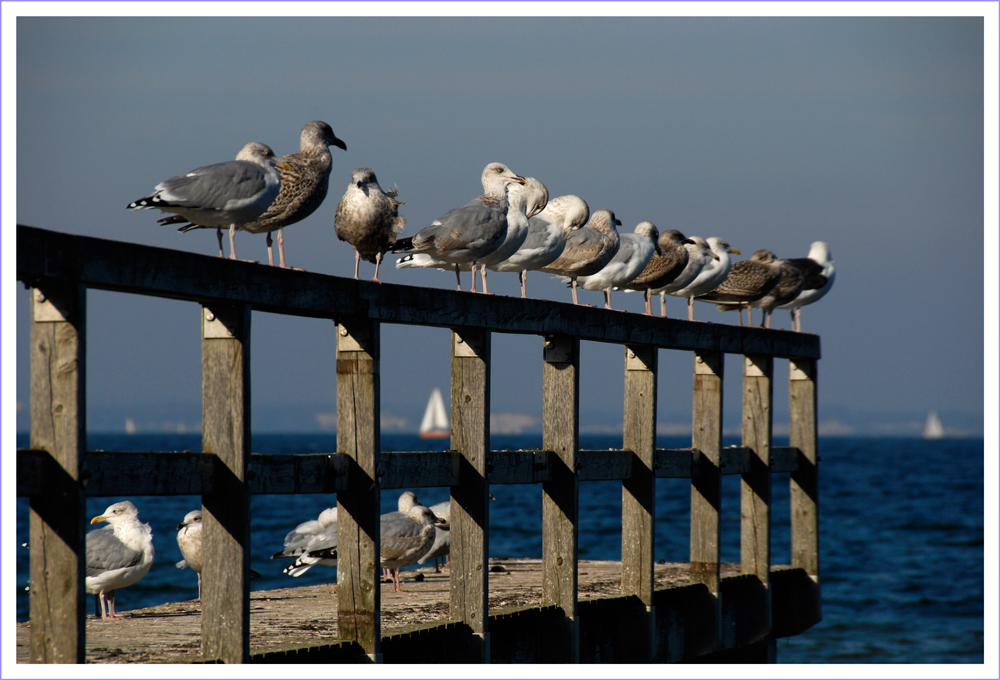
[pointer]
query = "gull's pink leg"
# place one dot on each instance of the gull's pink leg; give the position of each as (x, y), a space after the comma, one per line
(691, 308)
(649, 306)
(573, 286)
(281, 247)
(607, 298)
(357, 263)
(458, 279)
(473, 289)
(378, 261)
(523, 275)
(232, 242)
(663, 305)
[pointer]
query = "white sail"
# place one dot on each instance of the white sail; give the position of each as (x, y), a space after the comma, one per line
(933, 429)
(435, 421)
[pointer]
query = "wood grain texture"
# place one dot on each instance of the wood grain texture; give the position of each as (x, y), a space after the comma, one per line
(225, 620)
(804, 480)
(125, 267)
(706, 495)
(359, 597)
(755, 493)
(639, 490)
(470, 510)
(56, 523)
(561, 494)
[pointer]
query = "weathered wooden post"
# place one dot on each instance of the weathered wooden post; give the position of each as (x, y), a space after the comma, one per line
(638, 499)
(706, 498)
(225, 408)
(470, 512)
(755, 534)
(561, 494)
(58, 425)
(359, 593)
(805, 480)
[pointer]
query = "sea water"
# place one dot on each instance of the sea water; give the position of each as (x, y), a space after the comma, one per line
(901, 536)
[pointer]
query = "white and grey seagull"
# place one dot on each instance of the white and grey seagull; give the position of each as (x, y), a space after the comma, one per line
(230, 194)
(546, 236)
(711, 275)
(310, 543)
(634, 253)
(587, 249)
(463, 235)
(118, 555)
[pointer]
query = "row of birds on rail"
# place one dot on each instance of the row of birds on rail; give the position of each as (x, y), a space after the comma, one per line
(512, 227)
(121, 553)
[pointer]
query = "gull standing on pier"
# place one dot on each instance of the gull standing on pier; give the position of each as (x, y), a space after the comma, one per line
(406, 539)
(634, 253)
(230, 194)
(546, 237)
(819, 272)
(368, 218)
(118, 555)
(312, 542)
(587, 249)
(463, 235)
(748, 281)
(711, 275)
(189, 541)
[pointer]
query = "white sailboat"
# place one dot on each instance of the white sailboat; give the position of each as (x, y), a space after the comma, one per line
(435, 423)
(933, 429)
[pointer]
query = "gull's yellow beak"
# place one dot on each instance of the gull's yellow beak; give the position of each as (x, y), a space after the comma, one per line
(99, 519)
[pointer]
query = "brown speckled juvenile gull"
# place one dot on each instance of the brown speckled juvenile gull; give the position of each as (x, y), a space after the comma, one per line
(587, 249)
(665, 265)
(819, 272)
(230, 194)
(118, 555)
(405, 539)
(463, 235)
(368, 218)
(748, 281)
(546, 237)
(787, 289)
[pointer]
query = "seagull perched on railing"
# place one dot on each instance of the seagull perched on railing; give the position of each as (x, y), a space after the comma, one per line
(634, 253)
(368, 218)
(230, 194)
(587, 249)
(819, 272)
(118, 555)
(463, 235)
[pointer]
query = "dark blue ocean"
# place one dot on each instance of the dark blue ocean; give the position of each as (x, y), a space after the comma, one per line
(901, 525)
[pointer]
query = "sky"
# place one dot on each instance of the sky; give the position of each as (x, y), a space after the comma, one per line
(772, 132)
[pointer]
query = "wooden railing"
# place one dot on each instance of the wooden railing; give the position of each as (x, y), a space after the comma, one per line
(57, 473)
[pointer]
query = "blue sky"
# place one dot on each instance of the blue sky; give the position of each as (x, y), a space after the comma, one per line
(864, 132)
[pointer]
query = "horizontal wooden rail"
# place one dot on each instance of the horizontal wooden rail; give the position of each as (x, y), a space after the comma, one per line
(167, 473)
(125, 267)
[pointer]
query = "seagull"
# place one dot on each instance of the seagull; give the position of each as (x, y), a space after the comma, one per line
(441, 546)
(463, 235)
(524, 201)
(699, 257)
(587, 249)
(711, 275)
(311, 543)
(663, 267)
(819, 272)
(634, 253)
(406, 539)
(368, 218)
(747, 282)
(787, 289)
(546, 237)
(118, 555)
(189, 541)
(230, 194)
